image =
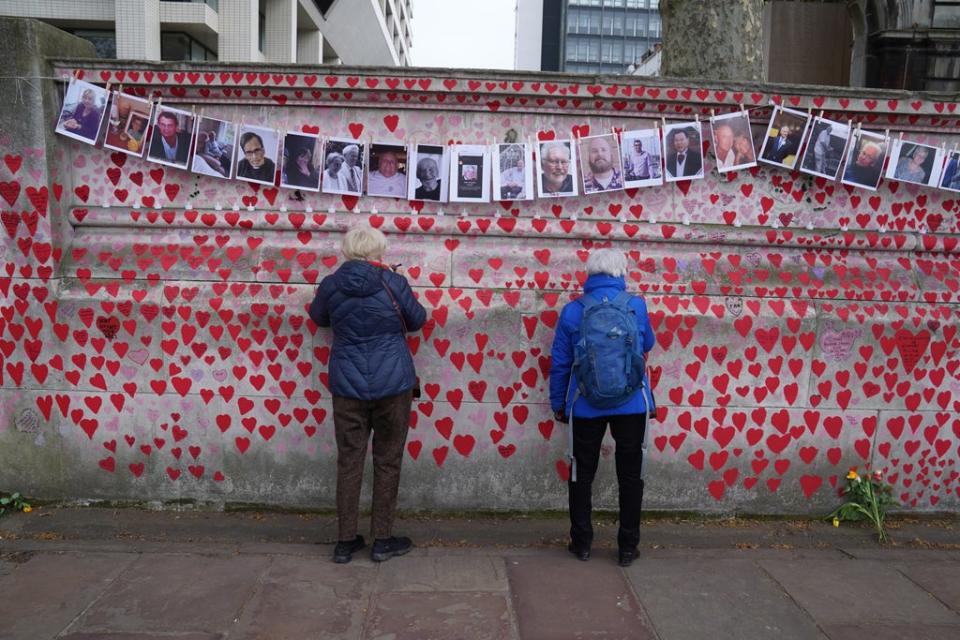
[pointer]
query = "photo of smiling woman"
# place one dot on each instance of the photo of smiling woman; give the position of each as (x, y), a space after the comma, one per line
(257, 154)
(83, 110)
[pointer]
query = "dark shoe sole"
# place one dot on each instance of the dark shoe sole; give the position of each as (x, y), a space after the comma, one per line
(582, 556)
(386, 555)
(626, 561)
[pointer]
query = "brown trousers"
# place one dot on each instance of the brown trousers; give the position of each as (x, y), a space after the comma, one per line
(353, 420)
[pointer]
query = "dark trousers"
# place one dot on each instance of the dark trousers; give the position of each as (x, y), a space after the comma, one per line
(353, 420)
(627, 431)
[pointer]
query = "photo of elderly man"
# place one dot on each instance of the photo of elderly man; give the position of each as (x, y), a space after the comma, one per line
(557, 177)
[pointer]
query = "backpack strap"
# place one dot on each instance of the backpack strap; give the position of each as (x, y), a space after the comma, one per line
(587, 301)
(623, 298)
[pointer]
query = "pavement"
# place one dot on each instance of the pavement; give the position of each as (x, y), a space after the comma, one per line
(125, 574)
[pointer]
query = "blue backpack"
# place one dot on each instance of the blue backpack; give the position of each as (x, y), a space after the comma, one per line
(608, 360)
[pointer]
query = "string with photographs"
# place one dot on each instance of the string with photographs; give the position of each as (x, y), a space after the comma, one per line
(560, 168)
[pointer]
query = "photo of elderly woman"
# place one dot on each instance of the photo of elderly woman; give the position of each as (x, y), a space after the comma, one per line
(915, 163)
(127, 123)
(431, 164)
(83, 110)
(343, 166)
(213, 148)
(301, 162)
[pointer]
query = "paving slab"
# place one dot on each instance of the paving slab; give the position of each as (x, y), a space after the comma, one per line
(172, 592)
(440, 615)
(685, 602)
(856, 591)
(40, 597)
(142, 636)
(443, 573)
(913, 631)
(557, 597)
(940, 579)
(314, 598)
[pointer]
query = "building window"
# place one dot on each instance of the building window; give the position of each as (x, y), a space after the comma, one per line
(261, 30)
(175, 45)
(595, 23)
(946, 14)
(104, 41)
(213, 4)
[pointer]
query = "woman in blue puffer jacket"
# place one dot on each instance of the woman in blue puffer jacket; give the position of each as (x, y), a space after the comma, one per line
(370, 308)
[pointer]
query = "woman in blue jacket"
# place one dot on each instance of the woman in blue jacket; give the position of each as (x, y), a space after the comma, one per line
(370, 308)
(606, 269)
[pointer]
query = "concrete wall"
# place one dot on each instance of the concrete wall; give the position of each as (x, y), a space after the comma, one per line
(158, 348)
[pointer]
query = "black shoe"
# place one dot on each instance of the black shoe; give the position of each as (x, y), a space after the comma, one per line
(344, 550)
(386, 548)
(583, 554)
(625, 557)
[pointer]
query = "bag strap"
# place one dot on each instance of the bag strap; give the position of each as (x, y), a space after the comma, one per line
(587, 301)
(623, 298)
(396, 305)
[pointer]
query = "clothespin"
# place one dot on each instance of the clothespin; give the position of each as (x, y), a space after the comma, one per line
(107, 89)
(742, 108)
(713, 112)
(820, 115)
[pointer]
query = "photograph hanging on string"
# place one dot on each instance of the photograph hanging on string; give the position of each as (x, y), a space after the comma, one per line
(557, 177)
(683, 150)
(512, 172)
(914, 163)
(732, 141)
(83, 111)
(641, 158)
(170, 137)
(865, 158)
(600, 166)
(428, 180)
(127, 124)
(387, 170)
(213, 147)
(785, 132)
(825, 147)
(343, 161)
(301, 161)
(950, 177)
(470, 173)
(257, 152)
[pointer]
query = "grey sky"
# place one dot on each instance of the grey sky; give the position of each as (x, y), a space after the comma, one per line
(475, 34)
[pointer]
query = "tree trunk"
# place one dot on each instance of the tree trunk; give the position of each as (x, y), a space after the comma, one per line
(717, 40)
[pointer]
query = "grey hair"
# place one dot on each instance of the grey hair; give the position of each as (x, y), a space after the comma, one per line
(364, 243)
(548, 146)
(608, 261)
(351, 148)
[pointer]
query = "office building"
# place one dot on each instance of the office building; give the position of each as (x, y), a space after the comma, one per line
(587, 36)
(373, 32)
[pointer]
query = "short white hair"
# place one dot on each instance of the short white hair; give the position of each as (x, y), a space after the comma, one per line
(608, 261)
(364, 243)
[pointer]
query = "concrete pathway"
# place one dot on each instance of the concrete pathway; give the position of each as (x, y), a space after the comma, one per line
(85, 574)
